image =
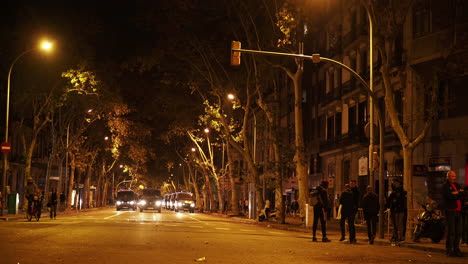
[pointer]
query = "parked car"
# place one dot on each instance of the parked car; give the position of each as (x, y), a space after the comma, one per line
(184, 202)
(150, 199)
(125, 200)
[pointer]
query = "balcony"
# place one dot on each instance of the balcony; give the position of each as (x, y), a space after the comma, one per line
(339, 142)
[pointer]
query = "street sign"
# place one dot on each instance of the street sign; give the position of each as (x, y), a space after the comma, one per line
(6, 147)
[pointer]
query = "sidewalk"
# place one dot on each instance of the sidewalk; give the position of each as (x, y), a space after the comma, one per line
(45, 213)
(334, 233)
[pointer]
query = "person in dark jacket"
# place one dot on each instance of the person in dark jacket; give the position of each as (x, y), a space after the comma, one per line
(319, 210)
(370, 208)
(356, 195)
(396, 202)
(453, 196)
(348, 212)
(53, 201)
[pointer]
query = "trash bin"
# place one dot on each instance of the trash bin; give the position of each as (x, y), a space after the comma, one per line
(12, 203)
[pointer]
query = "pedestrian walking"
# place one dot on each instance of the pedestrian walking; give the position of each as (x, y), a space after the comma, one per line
(453, 196)
(348, 213)
(370, 208)
(53, 200)
(319, 211)
(396, 202)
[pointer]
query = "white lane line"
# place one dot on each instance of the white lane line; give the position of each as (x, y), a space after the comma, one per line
(222, 228)
(119, 213)
(277, 233)
(196, 226)
(246, 230)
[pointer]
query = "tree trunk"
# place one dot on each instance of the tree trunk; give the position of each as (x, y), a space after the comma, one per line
(209, 189)
(71, 181)
(104, 192)
(300, 157)
(87, 186)
(408, 174)
(234, 194)
(193, 177)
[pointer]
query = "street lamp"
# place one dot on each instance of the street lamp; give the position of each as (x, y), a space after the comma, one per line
(46, 46)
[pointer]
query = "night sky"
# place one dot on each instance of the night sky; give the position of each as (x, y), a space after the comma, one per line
(138, 49)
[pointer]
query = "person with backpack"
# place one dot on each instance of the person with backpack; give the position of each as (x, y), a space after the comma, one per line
(319, 200)
(348, 212)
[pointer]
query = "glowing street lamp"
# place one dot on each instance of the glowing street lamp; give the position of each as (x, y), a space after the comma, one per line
(45, 46)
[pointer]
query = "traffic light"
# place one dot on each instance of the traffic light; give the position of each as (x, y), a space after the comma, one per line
(235, 55)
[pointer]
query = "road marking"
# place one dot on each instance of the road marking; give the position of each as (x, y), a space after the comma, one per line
(277, 233)
(196, 226)
(222, 228)
(246, 230)
(119, 213)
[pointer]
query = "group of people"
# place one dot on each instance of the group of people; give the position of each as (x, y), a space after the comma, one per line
(244, 206)
(31, 190)
(455, 207)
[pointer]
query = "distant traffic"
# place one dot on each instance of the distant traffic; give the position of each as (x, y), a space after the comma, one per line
(151, 199)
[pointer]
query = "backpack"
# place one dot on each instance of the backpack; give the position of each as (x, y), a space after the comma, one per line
(314, 197)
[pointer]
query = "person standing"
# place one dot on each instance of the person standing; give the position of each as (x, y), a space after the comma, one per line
(453, 195)
(356, 195)
(398, 210)
(348, 212)
(53, 199)
(370, 208)
(319, 210)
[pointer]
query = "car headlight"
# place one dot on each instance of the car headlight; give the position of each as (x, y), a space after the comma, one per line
(158, 203)
(132, 202)
(192, 205)
(119, 203)
(142, 202)
(180, 204)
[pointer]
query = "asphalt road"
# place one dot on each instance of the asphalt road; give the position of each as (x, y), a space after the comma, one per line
(108, 236)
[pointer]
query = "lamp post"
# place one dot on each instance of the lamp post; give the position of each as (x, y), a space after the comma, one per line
(45, 45)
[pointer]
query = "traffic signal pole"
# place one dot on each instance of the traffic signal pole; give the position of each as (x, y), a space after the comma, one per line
(235, 61)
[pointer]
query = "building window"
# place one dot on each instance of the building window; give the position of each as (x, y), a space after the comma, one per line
(421, 18)
(338, 124)
(457, 97)
(352, 120)
(331, 81)
(330, 128)
(346, 171)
